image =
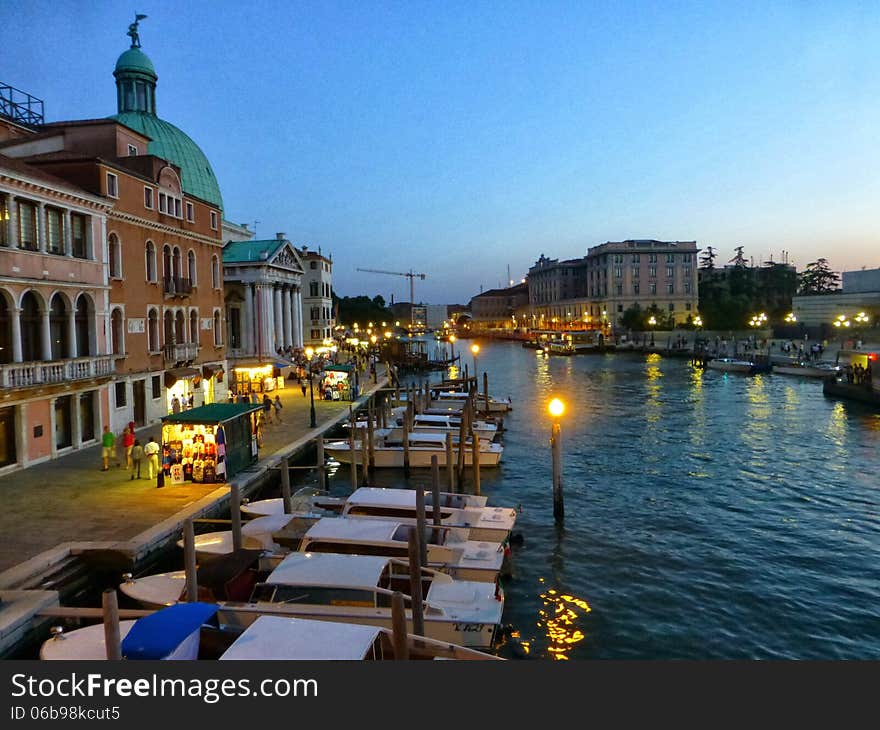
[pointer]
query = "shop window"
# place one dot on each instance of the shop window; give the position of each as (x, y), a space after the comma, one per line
(87, 416)
(7, 436)
(63, 421)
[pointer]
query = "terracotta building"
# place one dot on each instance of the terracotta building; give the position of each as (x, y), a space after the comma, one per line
(162, 245)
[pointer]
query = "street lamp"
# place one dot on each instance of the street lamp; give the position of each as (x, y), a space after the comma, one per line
(790, 318)
(312, 421)
(841, 321)
(452, 347)
(475, 348)
(652, 322)
(556, 408)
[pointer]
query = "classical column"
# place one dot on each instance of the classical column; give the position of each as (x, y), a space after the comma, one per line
(16, 335)
(42, 237)
(47, 335)
(68, 233)
(51, 434)
(76, 420)
(279, 319)
(266, 320)
(247, 322)
(298, 317)
(12, 228)
(73, 350)
(287, 316)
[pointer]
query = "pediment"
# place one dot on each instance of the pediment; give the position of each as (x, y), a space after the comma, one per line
(286, 257)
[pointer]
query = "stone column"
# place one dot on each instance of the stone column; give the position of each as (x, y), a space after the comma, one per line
(76, 420)
(279, 319)
(247, 321)
(68, 233)
(51, 434)
(42, 235)
(47, 335)
(299, 317)
(287, 315)
(71, 333)
(16, 335)
(13, 223)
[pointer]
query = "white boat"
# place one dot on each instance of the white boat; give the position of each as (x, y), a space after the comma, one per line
(808, 369)
(255, 535)
(422, 446)
(279, 638)
(428, 423)
(731, 365)
(172, 633)
(358, 589)
(441, 398)
(559, 347)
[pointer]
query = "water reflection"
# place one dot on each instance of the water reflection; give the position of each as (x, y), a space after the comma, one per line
(558, 617)
(653, 388)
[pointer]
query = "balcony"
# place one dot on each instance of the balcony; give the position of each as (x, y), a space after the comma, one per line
(187, 352)
(176, 286)
(28, 374)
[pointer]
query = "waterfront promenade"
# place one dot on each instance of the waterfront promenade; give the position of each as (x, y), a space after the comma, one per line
(70, 499)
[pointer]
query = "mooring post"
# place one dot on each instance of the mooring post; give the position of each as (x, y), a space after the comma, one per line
(365, 458)
(450, 466)
(112, 640)
(556, 448)
(351, 443)
(485, 392)
(421, 524)
(398, 627)
(462, 438)
(475, 459)
(322, 474)
(415, 584)
(235, 515)
(406, 447)
(435, 488)
(189, 561)
(284, 465)
(371, 446)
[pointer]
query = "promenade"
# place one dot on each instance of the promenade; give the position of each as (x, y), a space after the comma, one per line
(70, 499)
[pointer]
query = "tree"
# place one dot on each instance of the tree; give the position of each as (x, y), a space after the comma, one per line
(633, 318)
(361, 309)
(818, 278)
(739, 261)
(707, 260)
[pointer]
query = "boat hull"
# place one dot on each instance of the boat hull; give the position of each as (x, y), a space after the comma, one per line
(419, 458)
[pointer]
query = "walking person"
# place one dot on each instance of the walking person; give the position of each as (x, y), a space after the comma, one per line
(137, 456)
(303, 387)
(278, 408)
(128, 444)
(151, 452)
(120, 448)
(108, 442)
(267, 408)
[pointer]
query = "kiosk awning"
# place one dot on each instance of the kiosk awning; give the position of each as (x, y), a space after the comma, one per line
(213, 413)
(175, 374)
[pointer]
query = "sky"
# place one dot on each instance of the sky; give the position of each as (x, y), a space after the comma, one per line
(463, 139)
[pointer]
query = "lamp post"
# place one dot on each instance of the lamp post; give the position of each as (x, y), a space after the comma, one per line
(652, 322)
(312, 420)
(475, 348)
(452, 347)
(556, 408)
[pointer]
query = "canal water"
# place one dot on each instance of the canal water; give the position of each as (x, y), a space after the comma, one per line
(707, 515)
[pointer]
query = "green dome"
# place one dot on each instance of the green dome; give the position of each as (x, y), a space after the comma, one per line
(135, 60)
(174, 145)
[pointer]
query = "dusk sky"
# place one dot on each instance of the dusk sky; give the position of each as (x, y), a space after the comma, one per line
(460, 138)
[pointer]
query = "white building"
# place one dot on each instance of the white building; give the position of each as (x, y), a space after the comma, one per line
(318, 318)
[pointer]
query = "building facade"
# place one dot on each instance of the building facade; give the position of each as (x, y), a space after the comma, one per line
(503, 310)
(317, 313)
(859, 298)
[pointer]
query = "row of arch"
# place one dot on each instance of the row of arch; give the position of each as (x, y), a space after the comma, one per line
(172, 263)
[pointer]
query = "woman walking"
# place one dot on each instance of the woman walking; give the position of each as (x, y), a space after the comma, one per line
(137, 456)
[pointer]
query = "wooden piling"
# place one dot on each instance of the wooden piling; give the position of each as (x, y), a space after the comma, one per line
(235, 514)
(322, 469)
(462, 438)
(450, 465)
(485, 392)
(189, 561)
(398, 627)
(351, 435)
(556, 449)
(112, 640)
(415, 584)
(371, 446)
(435, 487)
(421, 524)
(406, 446)
(365, 458)
(475, 460)
(285, 486)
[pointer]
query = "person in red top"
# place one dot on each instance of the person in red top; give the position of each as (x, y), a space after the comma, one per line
(127, 444)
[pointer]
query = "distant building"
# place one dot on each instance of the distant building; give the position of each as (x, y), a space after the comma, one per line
(860, 294)
(558, 294)
(500, 309)
(318, 319)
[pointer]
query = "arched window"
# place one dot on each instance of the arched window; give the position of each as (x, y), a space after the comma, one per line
(83, 320)
(194, 326)
(58, 328)
(169, 328)
(218, 332)
(31, 327)
(175, 264)
(6, 314)
(179, 328)
(191, 267)
(215, 271)
(153, 331)
(117, 346)
(151, 261)
(114, 256)
(167, 273)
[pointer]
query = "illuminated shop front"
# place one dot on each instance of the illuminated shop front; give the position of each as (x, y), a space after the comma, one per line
(257, 379)
(209, 444)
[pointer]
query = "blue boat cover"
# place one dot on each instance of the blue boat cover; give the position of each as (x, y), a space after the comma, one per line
(157, 635)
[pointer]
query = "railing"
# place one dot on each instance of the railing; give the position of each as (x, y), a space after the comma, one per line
(180, 353)
(26, 374)
(176, 286)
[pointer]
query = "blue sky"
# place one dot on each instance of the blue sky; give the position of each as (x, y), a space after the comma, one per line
(460, 138)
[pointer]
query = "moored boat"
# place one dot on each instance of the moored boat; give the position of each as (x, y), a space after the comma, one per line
(808, 369)
(731, 365)
(422, 446)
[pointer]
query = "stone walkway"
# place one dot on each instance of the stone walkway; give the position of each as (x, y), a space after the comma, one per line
(70, 499)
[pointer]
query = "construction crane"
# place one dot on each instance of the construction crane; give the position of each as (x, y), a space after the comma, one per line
(412, 277)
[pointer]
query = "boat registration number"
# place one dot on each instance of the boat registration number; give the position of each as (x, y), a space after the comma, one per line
(469, 628)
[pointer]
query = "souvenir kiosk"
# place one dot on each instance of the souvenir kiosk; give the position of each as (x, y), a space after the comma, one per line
(209, 444)
(337, 382)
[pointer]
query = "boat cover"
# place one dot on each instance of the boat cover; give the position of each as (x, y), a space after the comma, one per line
(159, 634)
(216, 575)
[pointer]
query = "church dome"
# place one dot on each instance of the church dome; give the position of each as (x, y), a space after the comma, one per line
(136, 103)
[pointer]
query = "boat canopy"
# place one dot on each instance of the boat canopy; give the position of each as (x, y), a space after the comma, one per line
(277, 637)
(159, 634)
(333, 528)
(329, 570)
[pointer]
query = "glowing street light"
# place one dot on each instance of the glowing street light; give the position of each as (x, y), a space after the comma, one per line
(312, 420)
(652, 322)
(790, 318)
(698, 321)
(841, 321)
(556, 408)
(452, 347)
(475, 348)
(862, 318)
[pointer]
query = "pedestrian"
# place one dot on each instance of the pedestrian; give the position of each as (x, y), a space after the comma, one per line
(137, 456)
(267, 408)
(175, 405)
(120, 448)
(151, 451)
(303, 387)
(108, 442)
(192, 400)
(278, 408)
(128, 445)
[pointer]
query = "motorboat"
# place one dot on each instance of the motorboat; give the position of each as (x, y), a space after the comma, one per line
(560, 347)
(732, 365)
(422, 446)
(808, 369)
(358, 589)
(441, 398)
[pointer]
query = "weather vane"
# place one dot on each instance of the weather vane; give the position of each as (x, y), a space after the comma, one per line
(133, 30)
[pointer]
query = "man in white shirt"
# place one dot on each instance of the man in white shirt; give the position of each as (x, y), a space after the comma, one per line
(151, 451)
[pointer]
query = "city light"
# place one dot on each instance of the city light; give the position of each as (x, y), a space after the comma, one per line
(652, 320)
(862, 318)
(475, 348)
(790, 318)
(698, 321)
(841, 321)
(556, 407)
(758, 320)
